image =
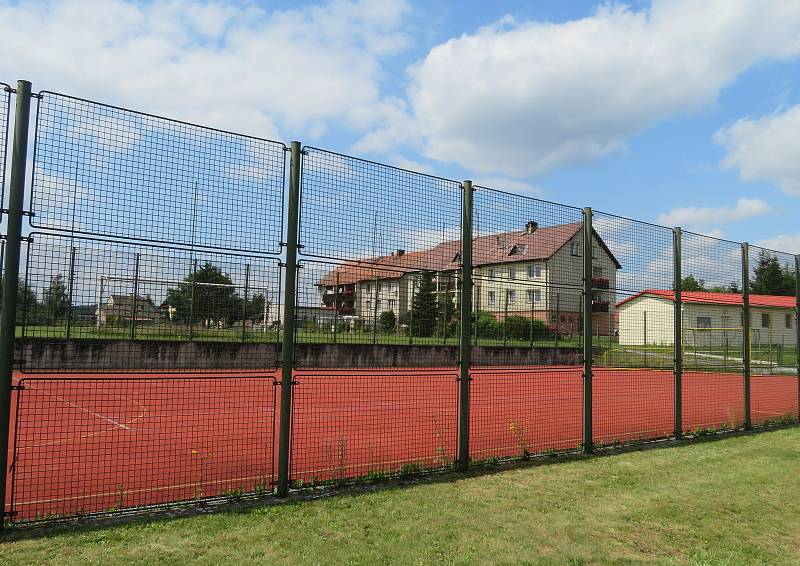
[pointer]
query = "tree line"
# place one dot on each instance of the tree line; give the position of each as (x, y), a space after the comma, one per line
(768, 278)
(208, 294)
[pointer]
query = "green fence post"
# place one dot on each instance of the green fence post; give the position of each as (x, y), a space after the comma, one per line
(8, 319)
(336, 308)
(70, 294)
(588, 447)
(375, 312)
(191, 299)
(290, 291)
(746, 331)
(135, 296)
(505, 320)
(677, 345)
(465, 347)
(797, 325)
(246, 309)
(411, 310)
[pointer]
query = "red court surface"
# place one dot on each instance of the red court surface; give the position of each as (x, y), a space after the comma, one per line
(94, 443)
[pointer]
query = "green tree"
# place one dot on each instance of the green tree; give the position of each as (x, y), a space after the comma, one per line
(255, 307)
(691, 283)
(215, 298)
(769, 278)
(27, 302)
(423, 306)
(387, 321)
(732, 287)
(55, 301)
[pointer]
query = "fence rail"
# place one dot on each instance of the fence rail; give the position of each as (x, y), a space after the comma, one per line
(185, 317)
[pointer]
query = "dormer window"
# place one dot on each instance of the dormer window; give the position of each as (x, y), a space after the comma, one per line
(517, 249)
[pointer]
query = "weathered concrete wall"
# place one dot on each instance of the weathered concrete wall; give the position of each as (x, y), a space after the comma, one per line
(41, 355)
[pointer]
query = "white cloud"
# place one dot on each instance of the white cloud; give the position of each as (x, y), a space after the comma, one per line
(506, 184)
(235, 66)
(409, 164)
(704, 217)
(520, 98)
(789, 243)
(765, 149)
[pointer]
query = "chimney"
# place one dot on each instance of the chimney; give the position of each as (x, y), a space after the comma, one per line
(531, 226)
(400, 252)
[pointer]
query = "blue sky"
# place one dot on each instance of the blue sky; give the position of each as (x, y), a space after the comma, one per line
(677, 112)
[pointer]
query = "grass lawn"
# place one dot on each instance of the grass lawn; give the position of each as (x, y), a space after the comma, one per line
(733, 501)
(169, 333)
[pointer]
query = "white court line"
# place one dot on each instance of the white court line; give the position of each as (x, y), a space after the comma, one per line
(98, 415)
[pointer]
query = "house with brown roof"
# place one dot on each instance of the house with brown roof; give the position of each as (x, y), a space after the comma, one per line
(534, 272)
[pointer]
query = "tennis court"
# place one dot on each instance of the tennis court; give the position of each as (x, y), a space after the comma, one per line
(93, 443)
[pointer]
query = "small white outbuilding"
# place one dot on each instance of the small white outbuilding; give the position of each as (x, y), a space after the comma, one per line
(709, 319)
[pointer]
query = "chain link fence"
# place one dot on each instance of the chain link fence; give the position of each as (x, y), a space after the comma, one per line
(196, 320)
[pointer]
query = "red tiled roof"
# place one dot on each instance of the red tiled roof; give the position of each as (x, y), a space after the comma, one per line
(708, 298)
(486, 250)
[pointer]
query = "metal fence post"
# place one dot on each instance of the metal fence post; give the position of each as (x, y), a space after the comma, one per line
(70, 294)
(465, 347)
(336, 308)
(505, 319)
(677, 345)
(797, 324)
(290, 291)
(246, 309)
(588, 447)
(8, 320)
(746, 331)
(191, 300)
(135, 296)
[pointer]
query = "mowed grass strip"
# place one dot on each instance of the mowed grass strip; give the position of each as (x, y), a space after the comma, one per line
(732, 501)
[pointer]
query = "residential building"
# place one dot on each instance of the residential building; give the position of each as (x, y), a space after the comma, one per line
(126, 308)
(535, 272)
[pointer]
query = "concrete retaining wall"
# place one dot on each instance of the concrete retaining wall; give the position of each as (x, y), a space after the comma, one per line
(45, 354)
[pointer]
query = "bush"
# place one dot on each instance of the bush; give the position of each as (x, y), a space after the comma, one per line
(486, 325)
(387, 321)
(514, 327)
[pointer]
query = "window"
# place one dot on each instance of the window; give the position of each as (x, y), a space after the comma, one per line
(764, 320)
(788, 321)
(492, 297)
(534, 296)
(597, 271)
(512, 273)
(491, 274)
(512, 297)
(369, 303)
(703, 322)
(391, 304)
(573, 248)
(534, 271)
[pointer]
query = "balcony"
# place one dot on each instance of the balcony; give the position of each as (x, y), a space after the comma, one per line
(600, 283)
